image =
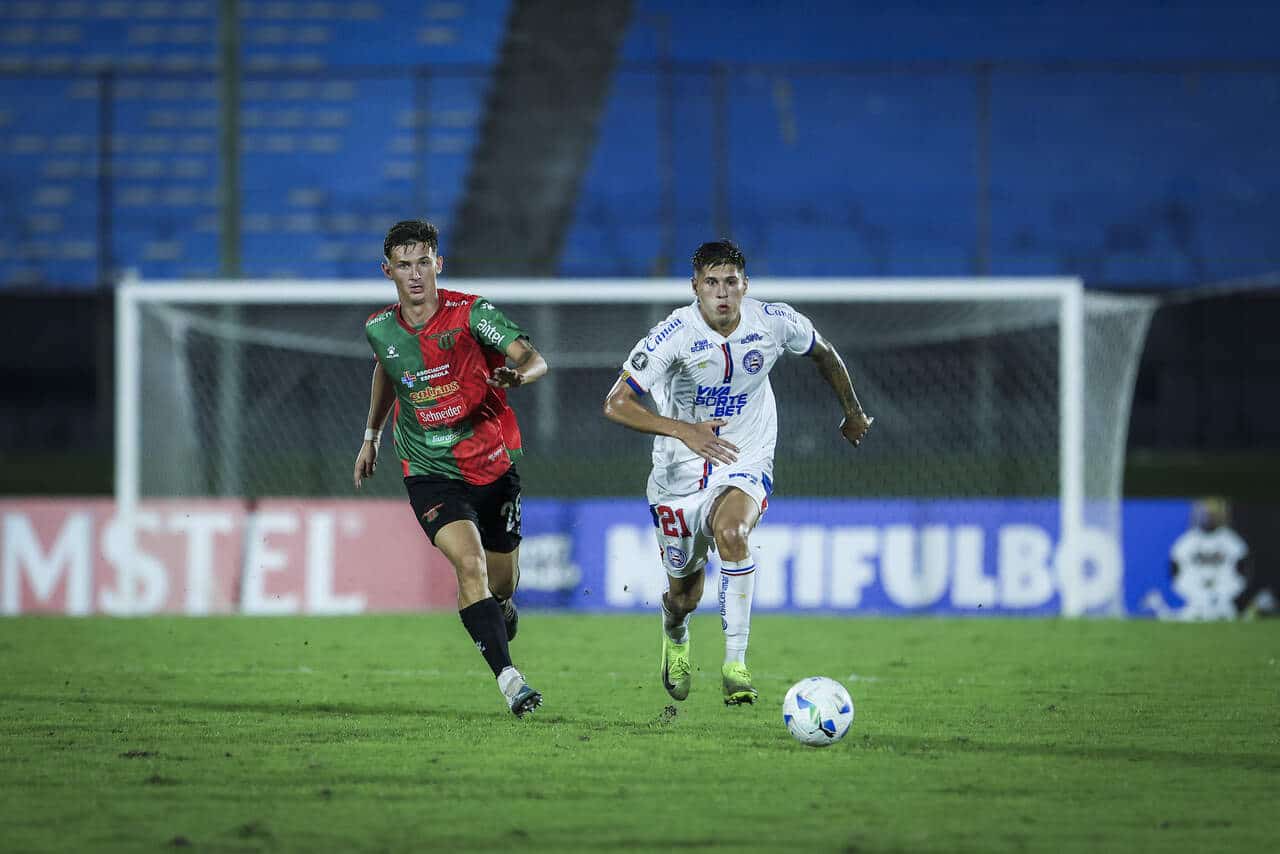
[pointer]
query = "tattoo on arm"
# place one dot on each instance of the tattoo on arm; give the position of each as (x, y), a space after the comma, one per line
(526, 360)
(525, 352)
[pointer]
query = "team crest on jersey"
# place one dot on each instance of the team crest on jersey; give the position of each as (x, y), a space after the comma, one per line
(676, 557)
(639, 361)
(445, 340)
(753, 361)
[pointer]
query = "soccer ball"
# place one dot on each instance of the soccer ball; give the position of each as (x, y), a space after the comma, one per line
(817, 711)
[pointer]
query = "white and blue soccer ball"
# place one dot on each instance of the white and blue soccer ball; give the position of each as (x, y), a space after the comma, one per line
(817, 711)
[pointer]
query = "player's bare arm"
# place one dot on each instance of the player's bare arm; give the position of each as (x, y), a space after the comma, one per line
(623, 407)
(381, 396)
(856, 423)
(527, 366)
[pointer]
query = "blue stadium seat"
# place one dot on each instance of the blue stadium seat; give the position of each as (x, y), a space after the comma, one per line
(1126, 177)
(874, 167)
(321, 176)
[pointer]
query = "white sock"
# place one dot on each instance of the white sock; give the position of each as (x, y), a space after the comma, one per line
(509, 681)
(737, 584)
(679, 634)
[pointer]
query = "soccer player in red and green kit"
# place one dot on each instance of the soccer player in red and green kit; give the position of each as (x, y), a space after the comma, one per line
(443, 364)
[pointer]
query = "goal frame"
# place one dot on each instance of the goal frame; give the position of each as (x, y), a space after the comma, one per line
(1067, 292)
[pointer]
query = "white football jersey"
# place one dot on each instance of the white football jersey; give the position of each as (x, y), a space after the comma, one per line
(692, 373)
(1211, 552)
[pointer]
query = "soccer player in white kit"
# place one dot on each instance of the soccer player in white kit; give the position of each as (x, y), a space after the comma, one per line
(705, 372)
(1206, 564)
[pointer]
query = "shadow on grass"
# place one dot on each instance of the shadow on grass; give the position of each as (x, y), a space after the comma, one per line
(444, 713)
(451, 713)
(904, 745)
(281, 707)
(908, 745)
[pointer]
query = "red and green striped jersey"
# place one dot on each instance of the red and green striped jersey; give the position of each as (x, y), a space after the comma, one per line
(448, 420)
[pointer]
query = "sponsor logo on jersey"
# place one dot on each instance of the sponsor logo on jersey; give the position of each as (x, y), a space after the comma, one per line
(444, 437)
(410, 378)
(391, 351)
(454, 303)
(753, 361)
(445, 340)
(752, 479)
(652, 341)
(700, 345)
(432, 393)
(639, 361)
(676, 558)
(778, 310)
(377, 318)
(719, 397)
(439, 415)
(488, 331)
(754, 336)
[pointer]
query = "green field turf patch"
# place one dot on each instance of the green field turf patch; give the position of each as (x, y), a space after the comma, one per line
(388, 734)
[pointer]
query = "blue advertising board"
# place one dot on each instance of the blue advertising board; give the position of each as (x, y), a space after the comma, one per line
(899, 556)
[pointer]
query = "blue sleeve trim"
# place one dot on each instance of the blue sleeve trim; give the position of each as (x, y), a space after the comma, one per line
(635, 386)
(812, 341)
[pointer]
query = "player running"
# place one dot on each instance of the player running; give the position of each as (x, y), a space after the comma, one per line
(442, 362)
(706, 371)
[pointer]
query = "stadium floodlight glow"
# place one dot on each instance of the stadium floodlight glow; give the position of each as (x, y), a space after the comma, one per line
(986, 388)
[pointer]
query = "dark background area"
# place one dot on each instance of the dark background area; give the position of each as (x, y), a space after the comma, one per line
(1205, 416)
(1130, 146)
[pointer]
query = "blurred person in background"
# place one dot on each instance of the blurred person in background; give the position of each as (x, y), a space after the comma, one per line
(1207, 564)
(705, 373)
(442, 362)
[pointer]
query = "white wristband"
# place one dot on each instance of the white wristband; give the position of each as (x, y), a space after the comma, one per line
(371, 435)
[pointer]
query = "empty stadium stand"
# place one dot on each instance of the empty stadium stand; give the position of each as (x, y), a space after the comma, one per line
(1132, 146)
(353, 115)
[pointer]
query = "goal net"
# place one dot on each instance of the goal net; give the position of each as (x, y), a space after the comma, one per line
(981, 389)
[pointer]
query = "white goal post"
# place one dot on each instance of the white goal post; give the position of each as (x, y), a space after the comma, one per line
(187, 379)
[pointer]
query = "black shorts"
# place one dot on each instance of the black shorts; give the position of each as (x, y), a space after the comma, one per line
(494, 508)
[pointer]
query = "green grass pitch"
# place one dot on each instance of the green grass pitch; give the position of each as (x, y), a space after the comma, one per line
(388, 734)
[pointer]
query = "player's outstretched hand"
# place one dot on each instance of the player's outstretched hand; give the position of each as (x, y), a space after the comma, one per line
(855, 427)
(366, 462)
(505, 377)
(701, 438)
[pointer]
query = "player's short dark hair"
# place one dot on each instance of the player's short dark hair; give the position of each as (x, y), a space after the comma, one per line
(717, 252)
(408, 232)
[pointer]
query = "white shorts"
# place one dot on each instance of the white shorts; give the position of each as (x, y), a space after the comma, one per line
(683, 522)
